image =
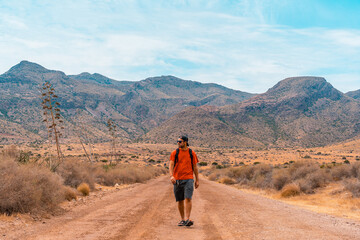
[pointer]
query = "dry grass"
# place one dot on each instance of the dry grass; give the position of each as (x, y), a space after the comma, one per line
(84, 189)
(127, 174)
(290, 190)
(353, 186)
(227, 180)
(26, 188)
(341, 172)
(308, 176)
(69, 193)
(76, 172)
(280, 178)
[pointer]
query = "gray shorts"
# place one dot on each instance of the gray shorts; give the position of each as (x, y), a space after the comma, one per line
(183, 189)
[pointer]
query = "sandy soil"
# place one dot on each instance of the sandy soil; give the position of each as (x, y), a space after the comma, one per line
(148, 211)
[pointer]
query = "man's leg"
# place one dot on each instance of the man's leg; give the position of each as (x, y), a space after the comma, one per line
(188, 206)
(181, 209)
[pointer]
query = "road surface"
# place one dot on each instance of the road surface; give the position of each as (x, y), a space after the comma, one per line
(149, 211)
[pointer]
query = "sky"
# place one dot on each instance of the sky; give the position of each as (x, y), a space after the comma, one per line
(247, 45)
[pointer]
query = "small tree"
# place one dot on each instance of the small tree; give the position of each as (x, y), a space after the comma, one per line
(52, 119)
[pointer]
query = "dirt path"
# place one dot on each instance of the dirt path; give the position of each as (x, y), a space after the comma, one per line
(148, 211)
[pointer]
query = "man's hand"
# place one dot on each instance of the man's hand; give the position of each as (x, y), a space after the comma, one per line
(196, 183)
(173, 180)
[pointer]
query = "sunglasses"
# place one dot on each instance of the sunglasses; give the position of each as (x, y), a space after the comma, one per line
(180, 141)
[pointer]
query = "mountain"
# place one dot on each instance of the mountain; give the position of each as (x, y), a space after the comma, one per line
(91, 99)
(300, 111)
(354, 94)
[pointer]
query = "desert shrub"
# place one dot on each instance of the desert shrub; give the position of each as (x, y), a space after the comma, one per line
(203, 163)
(280, 178)
(243, 173)
(220, 166)
(290, 190)
(69, 193)
(352, 185)
(84, 189)
(213, 176)
(262, 176)
(26, 188)
(74, 173)
(127, 174)
(24, 157)
(301, 169)
(355, 170)
(341, 172)
(312, 181)
(227, 180)
(253, 175)
(10, 152)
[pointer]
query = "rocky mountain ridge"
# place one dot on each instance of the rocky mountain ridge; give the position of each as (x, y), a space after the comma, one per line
(90, 100)
(300, 111)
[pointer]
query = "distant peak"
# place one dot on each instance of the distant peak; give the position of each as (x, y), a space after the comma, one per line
(27, 66)
(162, 78)
(305, 85)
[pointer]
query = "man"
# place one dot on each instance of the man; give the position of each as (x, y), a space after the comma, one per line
(182, 177)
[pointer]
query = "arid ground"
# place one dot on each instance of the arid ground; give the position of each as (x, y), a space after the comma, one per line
(148, 211)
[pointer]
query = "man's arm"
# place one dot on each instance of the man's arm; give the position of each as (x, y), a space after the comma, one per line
(171, 170)
(196, 171)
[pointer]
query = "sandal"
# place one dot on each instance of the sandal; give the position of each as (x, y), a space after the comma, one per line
(188, 223)
(181, 223)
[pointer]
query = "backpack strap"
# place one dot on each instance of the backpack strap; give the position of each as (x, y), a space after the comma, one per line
(191, 157)
(176, 156)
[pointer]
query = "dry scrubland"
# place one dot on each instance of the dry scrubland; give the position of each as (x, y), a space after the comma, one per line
(324, 179)
(28, 186)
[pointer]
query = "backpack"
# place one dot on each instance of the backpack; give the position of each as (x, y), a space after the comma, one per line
(177, 158)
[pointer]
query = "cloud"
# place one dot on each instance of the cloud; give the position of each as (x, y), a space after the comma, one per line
(235, 43)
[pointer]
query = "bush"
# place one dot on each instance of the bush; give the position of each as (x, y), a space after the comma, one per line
(280, 178)
(127, 174)
(301, 169)
(355, 170)
(28, 189)
(290, 190)
(353, 186)
(74, 173)
(69, 193)
(341, 172)
(203, 163)
(213, 177)
(227, 180)
(312, 181)
(84, 189)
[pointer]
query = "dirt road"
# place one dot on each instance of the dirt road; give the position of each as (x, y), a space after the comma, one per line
(148, 211)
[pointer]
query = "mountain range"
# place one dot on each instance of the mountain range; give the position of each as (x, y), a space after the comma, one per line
(89, 100)
(298, 111)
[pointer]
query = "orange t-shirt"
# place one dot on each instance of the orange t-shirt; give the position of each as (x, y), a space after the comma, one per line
(183, 168)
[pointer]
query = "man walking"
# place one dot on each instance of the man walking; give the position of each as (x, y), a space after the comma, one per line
(183, 166)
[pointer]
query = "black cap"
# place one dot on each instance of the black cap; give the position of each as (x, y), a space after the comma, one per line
(185, 139)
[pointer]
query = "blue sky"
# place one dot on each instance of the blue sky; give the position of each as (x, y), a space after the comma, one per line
(248, 45)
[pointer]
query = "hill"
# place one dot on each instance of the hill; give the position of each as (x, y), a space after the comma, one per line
(300, 111)
(92, 99)
(354, 94)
